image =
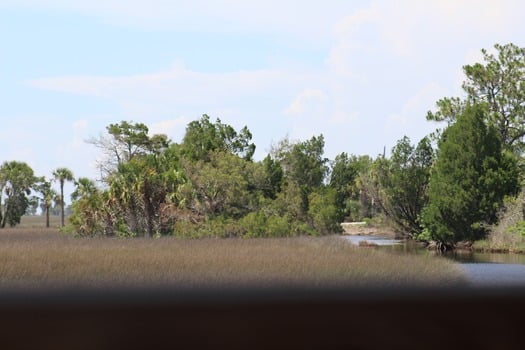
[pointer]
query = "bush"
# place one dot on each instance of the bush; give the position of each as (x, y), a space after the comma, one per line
(254, 224)
(509, 233)
(299, 228)
(122, 231)
(353, 210)
(326, 217)
(518, 228)
(278, 226)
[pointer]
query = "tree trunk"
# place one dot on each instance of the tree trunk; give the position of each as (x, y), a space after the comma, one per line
(148, 206)
(4, 217)
(62, 203)
(47, 216)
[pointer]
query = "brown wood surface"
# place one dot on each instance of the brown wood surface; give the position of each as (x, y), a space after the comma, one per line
(375, 318)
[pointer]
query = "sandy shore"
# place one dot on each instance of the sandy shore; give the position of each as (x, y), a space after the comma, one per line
(362, 229)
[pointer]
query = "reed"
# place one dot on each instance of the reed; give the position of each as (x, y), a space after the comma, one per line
(40, 258)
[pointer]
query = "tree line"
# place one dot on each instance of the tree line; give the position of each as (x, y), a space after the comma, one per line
(22, 192)
(448, 187)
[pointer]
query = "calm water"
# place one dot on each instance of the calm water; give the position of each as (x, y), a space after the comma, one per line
(481, 269)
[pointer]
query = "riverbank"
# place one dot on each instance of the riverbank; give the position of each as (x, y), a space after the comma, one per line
(508, 244)
(365, 229)
(486, 247)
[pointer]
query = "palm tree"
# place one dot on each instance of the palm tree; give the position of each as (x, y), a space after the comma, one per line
(84, 188)
(48, 196)
(62, 175)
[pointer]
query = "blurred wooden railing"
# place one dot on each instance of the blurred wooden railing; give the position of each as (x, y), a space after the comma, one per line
(243, 318)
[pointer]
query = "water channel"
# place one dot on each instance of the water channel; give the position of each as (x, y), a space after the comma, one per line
(481, 269)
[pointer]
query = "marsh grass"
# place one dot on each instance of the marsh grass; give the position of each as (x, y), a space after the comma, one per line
(38, 221)
(507, 236)
(31, 258)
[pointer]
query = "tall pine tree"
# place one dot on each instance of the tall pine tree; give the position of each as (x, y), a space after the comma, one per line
(470, 179)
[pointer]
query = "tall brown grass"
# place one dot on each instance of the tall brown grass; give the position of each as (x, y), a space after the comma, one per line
(38, 221)
(35, 258)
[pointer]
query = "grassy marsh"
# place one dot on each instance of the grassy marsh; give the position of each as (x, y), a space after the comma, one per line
(45, 258)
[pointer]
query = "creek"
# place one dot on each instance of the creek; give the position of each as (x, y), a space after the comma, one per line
(481, 269)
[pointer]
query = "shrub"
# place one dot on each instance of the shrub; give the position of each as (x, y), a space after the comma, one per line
(299, 228)
(254, 224)
(278, 226)
(326, 217)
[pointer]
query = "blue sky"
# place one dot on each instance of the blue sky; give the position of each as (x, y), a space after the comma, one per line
(362, 73)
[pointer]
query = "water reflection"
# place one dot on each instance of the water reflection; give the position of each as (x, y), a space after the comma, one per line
(382, 241)
(481, 269)
(494, 275)
(483, 258)
(400, 246)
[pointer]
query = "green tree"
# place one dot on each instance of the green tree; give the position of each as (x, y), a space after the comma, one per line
(33, 206)
(470, 178)
(141, 174)
(47, 196)
(125, 141)
(157, 180)
(402, 183)
(16, 181)
(303, 164)
(273, 177)
(140, 189)
(84, 188)
(345, 179)
(498, 82)
(219, 186)
(323, 211)
(62, 175)
(203, 137)
(89, 206)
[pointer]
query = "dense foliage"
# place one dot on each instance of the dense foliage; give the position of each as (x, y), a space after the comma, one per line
(399, 185)
(347, 178)
(209, 184)
(16, 181)
(206, 186)
(469, 181)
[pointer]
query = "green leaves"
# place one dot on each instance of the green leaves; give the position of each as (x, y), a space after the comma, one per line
(124, 142)
(130, 139)
(203, 137)
(219, 186)
(16, 182)
(499, 84)
(470, 179)
(346, 178)
(402, 183)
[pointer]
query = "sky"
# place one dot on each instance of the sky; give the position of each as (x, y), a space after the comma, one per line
(361, 73)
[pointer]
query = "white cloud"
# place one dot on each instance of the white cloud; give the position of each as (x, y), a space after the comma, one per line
(348, 40)
(177, 84)
(340, 117)
(307, 100)
(384, 61)
(170, 127)
(415, 107)
(183, 92)
(417, 31)
(80, 125)
(305, 20)
(78, 134)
